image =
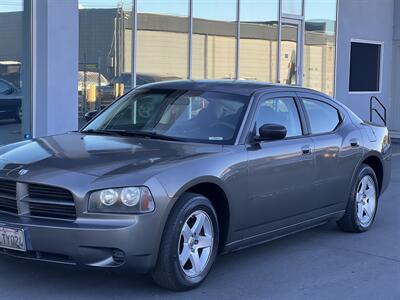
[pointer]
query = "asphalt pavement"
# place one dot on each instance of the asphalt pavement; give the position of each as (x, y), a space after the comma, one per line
(322, 263)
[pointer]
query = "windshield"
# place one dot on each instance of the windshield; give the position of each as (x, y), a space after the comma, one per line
(197, 116)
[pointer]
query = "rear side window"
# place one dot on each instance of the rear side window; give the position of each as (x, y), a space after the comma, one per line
(322, 116)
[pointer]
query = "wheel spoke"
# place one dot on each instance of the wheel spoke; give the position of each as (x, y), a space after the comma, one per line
(195, 260)
(359, 197)
(370, 193)
(367, 210)
(184, 256)
(364, 183)
(196, 228)
(360, 210)
(204, 241)
(186, 232)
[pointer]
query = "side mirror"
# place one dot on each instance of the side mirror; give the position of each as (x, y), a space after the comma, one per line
(268, 132)
(90, 115)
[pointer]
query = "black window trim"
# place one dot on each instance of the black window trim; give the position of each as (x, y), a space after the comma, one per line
(273, 95)
(329, 102)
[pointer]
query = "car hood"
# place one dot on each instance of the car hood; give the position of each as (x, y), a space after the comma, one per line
(98, 155)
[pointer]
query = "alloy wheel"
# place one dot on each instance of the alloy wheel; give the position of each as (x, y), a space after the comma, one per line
(366, 200)
(195, 243)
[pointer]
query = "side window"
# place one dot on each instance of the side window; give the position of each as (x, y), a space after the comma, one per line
(282, 111)
(323, 117)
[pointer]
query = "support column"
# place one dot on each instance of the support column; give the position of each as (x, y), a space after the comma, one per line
(55, 30)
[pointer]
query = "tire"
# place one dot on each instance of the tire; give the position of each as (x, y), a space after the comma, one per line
(363, 203)
(188, 211)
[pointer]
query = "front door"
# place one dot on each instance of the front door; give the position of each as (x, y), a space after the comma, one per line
(281, 172)
(291, 49)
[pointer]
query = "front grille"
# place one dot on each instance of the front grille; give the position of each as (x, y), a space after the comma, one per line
(8, 193)
(51, 202)
(46, 210)
(49, 192)
(43, 201)
(8, 188)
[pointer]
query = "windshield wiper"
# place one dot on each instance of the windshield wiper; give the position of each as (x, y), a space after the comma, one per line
(100, 132)
(148, 134)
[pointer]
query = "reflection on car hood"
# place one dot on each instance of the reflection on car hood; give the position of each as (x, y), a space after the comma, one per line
(98, 155)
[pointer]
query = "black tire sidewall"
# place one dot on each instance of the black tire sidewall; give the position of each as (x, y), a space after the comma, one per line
(189, 204)
(364, 171)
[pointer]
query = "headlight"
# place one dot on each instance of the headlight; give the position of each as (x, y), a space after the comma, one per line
(122, 200)
(108, 197)
(130, 196)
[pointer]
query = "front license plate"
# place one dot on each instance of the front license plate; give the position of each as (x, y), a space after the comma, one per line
(12, 238)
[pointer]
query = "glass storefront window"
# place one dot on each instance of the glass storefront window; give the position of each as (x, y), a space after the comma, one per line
(320, 45)
(14, 72)
(214, 39)
(162, 40)
(104, 53)
(289, 54)
(162, 44)
(292, 7)
(258, 39)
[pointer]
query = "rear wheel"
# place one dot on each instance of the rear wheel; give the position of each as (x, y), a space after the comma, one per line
(189, 245)
(363, 202)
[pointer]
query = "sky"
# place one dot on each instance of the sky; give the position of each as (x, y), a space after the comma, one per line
(254, 10)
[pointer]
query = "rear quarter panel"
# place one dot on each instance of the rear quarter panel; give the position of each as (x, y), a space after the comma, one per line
(376, 142)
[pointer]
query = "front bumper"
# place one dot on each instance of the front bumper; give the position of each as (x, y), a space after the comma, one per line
(100, 244)
(90, 239)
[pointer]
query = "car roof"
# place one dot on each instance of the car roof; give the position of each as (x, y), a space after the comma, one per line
(239, 87)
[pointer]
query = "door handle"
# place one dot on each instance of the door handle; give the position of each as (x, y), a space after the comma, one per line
(306, 149)
(354, 143)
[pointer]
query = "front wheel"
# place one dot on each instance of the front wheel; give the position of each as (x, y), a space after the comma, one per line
(363, 202)
(189, 245)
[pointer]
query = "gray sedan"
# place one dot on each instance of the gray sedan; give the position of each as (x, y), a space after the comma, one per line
(174, 173)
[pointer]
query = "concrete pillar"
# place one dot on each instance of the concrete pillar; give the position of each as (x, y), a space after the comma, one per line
(55, 43)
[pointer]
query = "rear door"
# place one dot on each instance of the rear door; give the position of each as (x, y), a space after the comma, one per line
(281, 172)
(336, 149)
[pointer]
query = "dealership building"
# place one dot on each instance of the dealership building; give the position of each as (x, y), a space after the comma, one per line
(62, 58)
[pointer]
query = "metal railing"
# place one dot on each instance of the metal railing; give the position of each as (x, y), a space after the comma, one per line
(373, 108)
